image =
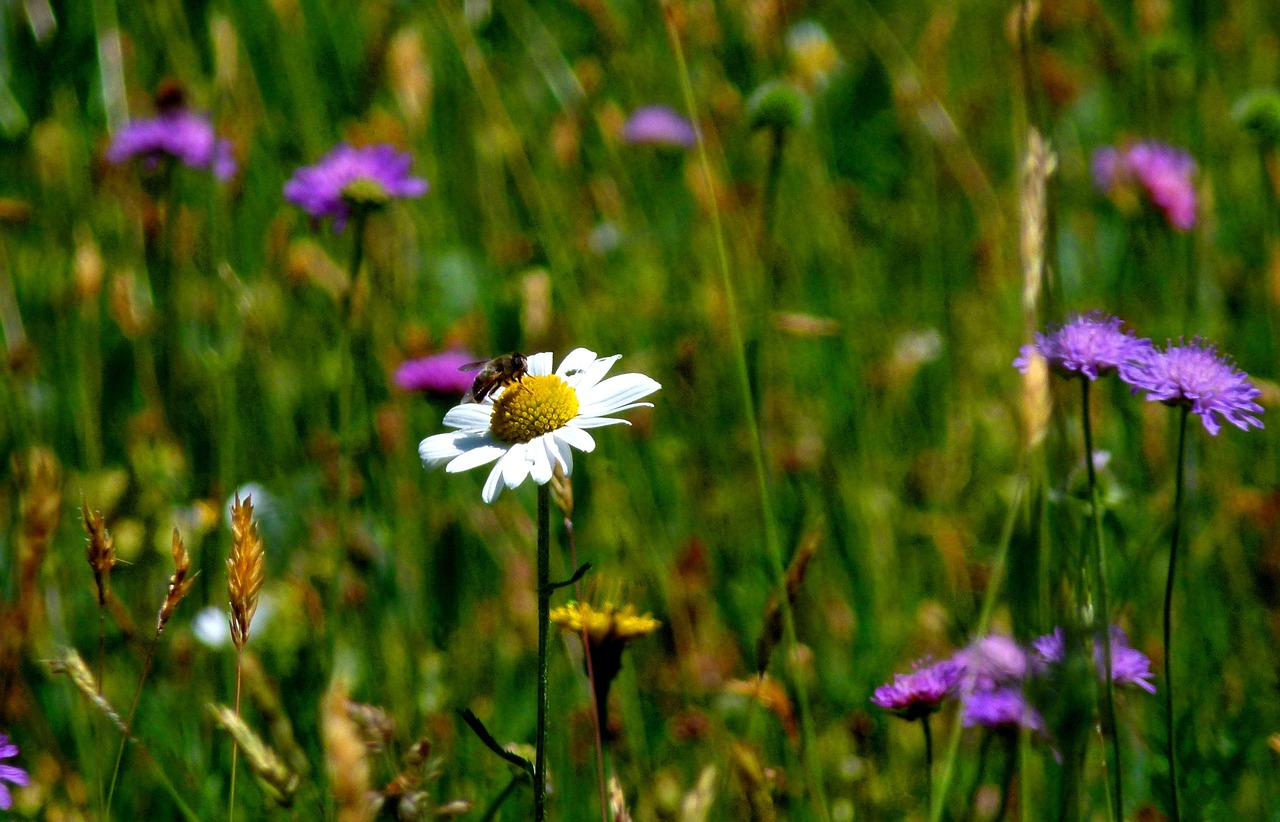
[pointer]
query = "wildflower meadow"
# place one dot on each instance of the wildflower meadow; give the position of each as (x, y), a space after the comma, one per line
(666, 411)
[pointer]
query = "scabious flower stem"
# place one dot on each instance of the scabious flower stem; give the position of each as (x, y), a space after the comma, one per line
(346, 388)
(1102, 613)
(928, 762)
(809, 751)
(1168, 617)
(544, 622)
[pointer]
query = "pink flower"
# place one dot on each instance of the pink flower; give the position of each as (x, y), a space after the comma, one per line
(1163, 173)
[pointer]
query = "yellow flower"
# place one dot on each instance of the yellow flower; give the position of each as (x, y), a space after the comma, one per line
(606, 624)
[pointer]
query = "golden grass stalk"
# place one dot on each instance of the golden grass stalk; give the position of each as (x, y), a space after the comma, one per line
(617, 801)
(276, 778)
(345, 755)
(245, 570)
(1039, 164)
(179, 584)
(101, 551)
(70, 662)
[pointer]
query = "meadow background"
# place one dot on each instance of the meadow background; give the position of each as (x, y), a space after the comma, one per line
(875, 267)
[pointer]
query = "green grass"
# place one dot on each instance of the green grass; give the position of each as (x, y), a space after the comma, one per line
(890, 430)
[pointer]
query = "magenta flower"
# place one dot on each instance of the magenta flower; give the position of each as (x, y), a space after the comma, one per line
(1001, 709)
(1195, 376)
(1162, 172)
(437, 374)
(367, 177)
(9, 773)
(1090, 345)
(178, 133)
(1051, 648)
(921, 692)
(659, 126)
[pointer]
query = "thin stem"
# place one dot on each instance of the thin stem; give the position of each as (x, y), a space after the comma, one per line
(544, 608)
(596, 714)
(771, 540)
(492, 812)
(1006, 781)
(98, 736)
(1102, 615)
(983, 752)
(928, 762)
(346, 368)
(128, 722)
(1168, 619)
(235, 746)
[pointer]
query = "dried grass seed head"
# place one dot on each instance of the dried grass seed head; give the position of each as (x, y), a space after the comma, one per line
(245, 570)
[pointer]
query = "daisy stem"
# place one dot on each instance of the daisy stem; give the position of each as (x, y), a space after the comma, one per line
(1102, 614)
(809, 751)
(1168, 619)
(544, 620)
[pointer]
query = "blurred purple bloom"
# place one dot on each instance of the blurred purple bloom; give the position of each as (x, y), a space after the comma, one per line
(1002, 709)
(437, 374)
(1091, 345)
(9, 773)
(177, 133)
(1194, 375)
(659, 126)
(921, 692)
(992, 662)
(1128, 666)
(1163, 172)
(1052, 648)
(369, 174)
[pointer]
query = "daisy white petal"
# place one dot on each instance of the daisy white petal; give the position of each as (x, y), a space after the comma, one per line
(616, 392)
(515, 465)
(493, 485)
(539, 365)
(540, 461)
(440, 448)
(597, 422)
(481, 455)
(578, 438)
(469, 415)
(592, 376)
(575, 362)
(563, 453)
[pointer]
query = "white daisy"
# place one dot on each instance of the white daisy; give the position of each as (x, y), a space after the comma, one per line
(530, 426)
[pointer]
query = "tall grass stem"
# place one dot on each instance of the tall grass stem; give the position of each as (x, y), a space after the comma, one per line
(1170, 740)
(773, 550)
(1102, 614)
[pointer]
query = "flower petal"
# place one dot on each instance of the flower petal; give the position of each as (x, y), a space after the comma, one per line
(475, 457)
(594, 373)
(577, 437)
(493, 485)
(575, 362)
(562, 453)
(515, 465)
(440, 448)
(540, 461)
(595, 422)
(469, 416)
(615, 393)
(539, 365)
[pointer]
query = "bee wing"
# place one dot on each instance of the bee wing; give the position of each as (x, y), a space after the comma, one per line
(472, 366)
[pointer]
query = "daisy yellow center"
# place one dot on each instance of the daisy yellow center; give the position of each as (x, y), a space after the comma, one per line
(531, 407)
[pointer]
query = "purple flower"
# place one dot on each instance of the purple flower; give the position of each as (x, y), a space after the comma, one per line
(9, 773)
(659, 126)
(368, 176)
(1052, 648)
(1128, 666)
(177, 133)
(1091, 345)
(921, 692)
(437, 374)
(993, 661)
(1195, 376)
(1163, 172)
(1001, 709)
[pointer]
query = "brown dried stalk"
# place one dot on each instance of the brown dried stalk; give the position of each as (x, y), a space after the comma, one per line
(280, 783)
(245, 570)
(345, 754)
(771, 632)
(41, 509)
(101, 551)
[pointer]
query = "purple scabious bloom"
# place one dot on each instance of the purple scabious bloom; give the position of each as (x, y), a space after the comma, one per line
(178, 133)
(437, 374)
(921, 692)
(1195, 376)
(992, 662)
(1164, 174)
(9, 773)
(1002, 709)
(368, 177)
(659, 126)
(1128, 665)
(1051, 648)
(1089, 345)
